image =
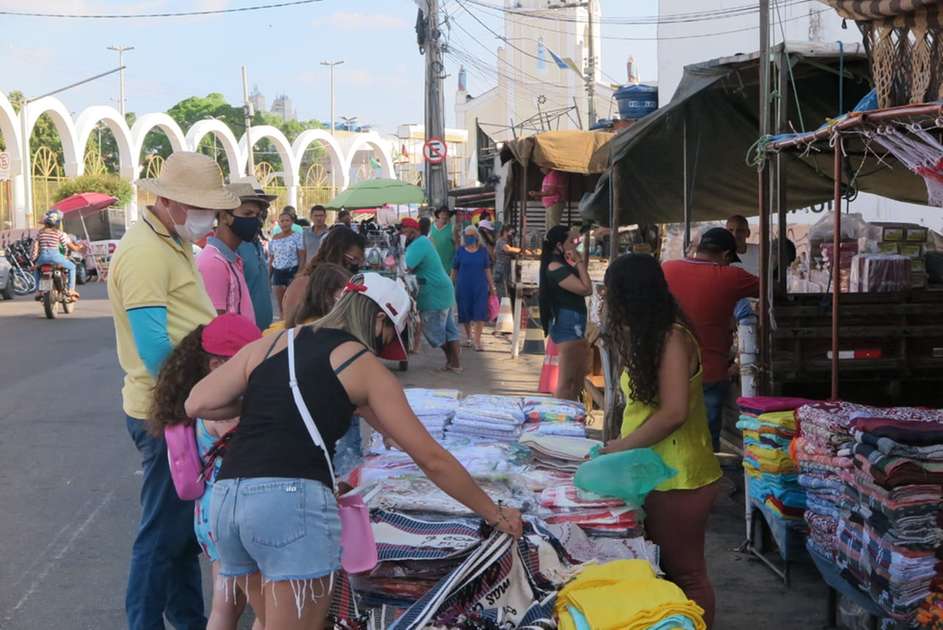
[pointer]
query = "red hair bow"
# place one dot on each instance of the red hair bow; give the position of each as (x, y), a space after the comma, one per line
(353, 287)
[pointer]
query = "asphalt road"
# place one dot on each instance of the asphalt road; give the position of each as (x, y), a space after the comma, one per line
(68, 481)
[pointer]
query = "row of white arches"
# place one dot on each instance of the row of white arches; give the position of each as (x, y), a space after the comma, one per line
(74, 135)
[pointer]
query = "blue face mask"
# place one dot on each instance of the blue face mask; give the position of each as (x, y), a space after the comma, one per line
(471, 240)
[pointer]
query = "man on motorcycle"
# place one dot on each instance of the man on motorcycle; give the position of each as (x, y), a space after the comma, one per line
(46, 249)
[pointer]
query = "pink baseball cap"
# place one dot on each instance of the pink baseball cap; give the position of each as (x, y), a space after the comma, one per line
(228, 333)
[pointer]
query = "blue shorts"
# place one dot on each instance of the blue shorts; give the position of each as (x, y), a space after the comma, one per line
(287, 529)
(283, 277)
(439, 327)
(568, 325)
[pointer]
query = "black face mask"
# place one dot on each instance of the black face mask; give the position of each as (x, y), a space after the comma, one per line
(246, 228)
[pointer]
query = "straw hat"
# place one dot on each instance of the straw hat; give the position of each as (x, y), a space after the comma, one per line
(192, 179)
(249, 189)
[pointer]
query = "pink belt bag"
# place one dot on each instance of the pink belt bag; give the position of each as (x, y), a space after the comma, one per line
(358, 546)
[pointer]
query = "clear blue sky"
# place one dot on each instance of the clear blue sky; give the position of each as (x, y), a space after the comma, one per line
(381, 81)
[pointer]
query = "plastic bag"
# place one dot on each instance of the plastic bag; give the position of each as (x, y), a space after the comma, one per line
(629, 475)
(494, 307)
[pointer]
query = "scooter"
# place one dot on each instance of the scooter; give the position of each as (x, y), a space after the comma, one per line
(53, 290)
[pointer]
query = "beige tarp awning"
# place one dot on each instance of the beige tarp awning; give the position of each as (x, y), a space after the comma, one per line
(571, 151)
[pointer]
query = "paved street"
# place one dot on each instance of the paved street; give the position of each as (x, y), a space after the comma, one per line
(69, 488)
(67, 479)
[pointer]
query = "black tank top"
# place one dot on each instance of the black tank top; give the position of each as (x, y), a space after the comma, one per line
(271, 440)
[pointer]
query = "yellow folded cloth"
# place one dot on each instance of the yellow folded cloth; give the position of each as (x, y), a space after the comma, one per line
(785, 419)
(624, 595)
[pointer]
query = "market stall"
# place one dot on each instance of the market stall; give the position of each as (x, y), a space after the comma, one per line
(439, 566)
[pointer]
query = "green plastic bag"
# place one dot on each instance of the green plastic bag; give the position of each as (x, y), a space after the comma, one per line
(629, 475)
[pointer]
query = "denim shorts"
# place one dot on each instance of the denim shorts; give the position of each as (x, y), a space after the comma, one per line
(439, 327)
(283, 277)
(568, 325)
(287, 529)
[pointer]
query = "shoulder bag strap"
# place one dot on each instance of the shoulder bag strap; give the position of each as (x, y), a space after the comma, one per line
(303, 408)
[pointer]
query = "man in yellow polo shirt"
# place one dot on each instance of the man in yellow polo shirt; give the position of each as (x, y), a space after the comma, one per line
(157, 297)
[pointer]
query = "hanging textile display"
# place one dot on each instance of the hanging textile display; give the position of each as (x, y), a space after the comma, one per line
(902, 39)
(918, 150)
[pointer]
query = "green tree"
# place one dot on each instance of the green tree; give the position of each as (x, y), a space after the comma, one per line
(107, 184)
(44, 132)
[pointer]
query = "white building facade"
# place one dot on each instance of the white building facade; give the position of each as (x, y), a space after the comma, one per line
(530, 81)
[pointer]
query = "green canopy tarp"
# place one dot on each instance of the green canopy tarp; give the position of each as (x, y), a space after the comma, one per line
(374, 193)
(715, 110)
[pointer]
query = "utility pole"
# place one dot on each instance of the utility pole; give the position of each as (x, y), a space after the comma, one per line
(122, 102)
(763, 187)
(437, 175)
(591, 66)
(331, 65)
(247, 108)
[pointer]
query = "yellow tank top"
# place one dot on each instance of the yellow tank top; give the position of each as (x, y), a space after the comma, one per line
(688, 450)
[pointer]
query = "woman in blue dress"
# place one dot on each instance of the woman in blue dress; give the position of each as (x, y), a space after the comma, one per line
(471, 273)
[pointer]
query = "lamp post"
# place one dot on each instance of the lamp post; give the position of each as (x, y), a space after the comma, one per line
(121, 99)
(331, 65)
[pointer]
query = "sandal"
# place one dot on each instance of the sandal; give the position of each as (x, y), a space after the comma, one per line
(467, 343)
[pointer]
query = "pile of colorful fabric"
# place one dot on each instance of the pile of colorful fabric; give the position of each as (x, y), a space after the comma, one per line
(930, 613)
(434, 407)
(553, 416)
(625, 594)
(823, 451)
(769, 425)
(489, 418)
(888, 536)
(558, 452)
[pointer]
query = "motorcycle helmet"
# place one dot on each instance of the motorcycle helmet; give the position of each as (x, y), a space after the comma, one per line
(53, 218)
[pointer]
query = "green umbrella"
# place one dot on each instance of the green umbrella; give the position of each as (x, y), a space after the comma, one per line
(373, 193)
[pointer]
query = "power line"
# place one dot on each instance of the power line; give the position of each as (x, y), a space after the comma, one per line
(171, 14)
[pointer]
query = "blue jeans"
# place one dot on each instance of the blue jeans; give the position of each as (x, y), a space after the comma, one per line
(55, 257)
(165, 571)
(715, 397)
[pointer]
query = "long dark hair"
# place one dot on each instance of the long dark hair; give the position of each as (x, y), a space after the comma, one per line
(186, 366)
(335, 244)
(640, 314)
(548, 253)
(324, 281)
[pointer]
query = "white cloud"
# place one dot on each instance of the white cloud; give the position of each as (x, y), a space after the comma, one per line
(353, 21)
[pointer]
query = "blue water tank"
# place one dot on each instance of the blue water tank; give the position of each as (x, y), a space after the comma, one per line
(636, 100)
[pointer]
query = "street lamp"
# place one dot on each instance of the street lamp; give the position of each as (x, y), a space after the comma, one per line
(331, 65)
(121, 50)
(349, 122)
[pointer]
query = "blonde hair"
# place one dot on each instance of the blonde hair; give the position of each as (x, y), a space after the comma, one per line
(356, 314)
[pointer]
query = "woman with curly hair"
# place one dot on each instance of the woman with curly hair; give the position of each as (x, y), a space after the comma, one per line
(665, 411)
(342, 246)
(199, 353)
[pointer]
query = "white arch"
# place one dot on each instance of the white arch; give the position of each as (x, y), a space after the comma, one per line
(62, 120)
(289, 163)
(87, 121)
(366, 141)
(224, 134)
(10, 127)
(145, 124)
(334, 151)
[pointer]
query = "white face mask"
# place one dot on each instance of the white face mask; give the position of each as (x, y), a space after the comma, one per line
(199, 223)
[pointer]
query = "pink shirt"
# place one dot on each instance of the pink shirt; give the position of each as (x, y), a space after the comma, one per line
(555, 182)
(224, 278)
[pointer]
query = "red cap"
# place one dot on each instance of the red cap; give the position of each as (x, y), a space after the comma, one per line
(409, 222)
(228, 333)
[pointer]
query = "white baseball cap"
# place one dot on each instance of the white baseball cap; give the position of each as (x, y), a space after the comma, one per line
(393, 299)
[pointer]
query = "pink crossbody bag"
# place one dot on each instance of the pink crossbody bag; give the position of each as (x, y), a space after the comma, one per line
(183, 457)
(358, 546)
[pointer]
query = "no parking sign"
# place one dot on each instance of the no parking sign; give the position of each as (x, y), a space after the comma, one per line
(434, 151)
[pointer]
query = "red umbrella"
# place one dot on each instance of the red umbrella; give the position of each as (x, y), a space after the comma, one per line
(90, 201)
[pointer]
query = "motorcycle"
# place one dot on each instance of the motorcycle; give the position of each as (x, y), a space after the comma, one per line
(53, 290)
(18, 255)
